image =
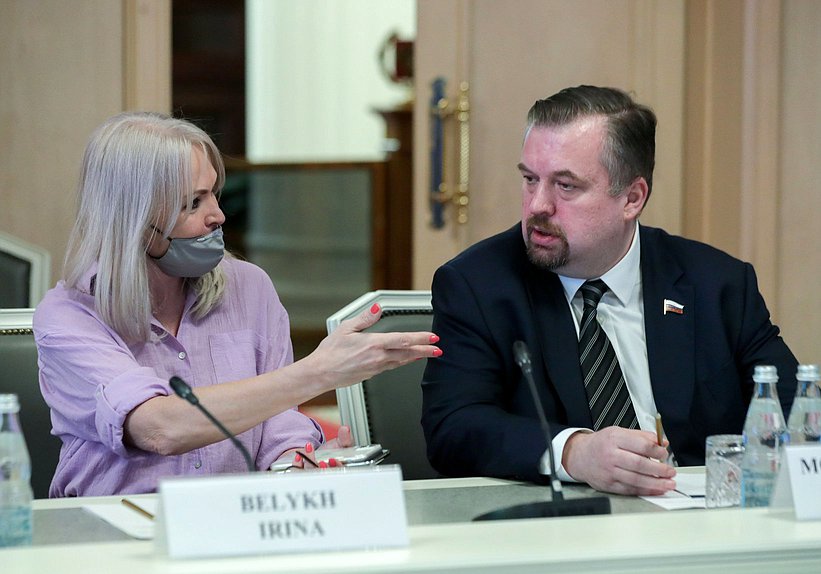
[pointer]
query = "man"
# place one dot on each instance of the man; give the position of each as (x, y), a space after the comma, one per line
(682, 324)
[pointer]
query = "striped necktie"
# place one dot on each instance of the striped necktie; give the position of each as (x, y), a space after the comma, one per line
(607, 393)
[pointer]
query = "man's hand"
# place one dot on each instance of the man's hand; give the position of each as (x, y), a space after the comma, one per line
(619, 460)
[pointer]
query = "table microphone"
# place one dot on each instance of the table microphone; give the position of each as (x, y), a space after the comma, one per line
(184, 391)
(558, 505)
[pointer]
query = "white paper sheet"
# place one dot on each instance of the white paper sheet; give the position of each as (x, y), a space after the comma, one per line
(691, 484)
(675, 500)
(689, 492)
(127, 519)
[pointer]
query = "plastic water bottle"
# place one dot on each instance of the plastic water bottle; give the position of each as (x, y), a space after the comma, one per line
(15, 473)
(805, 417)
(765, 434)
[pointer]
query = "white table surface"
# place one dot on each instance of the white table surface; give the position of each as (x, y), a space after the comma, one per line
(725, 540)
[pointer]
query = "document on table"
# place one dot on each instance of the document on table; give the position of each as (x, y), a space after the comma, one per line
(689, 492)
(130, 521)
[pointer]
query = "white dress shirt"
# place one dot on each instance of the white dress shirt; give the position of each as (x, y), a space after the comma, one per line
(621, 315)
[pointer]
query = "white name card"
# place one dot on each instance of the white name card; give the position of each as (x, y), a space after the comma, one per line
(265, 513)
(799, 481)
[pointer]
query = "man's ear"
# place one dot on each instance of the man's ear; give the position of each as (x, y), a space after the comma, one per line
(635, 196)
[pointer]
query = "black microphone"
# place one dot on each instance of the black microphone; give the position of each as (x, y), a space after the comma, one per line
(184, 391)
(558, 505)
(522, 357)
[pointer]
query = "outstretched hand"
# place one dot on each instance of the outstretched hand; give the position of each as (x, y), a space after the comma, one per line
(619, 460)
(348, 355)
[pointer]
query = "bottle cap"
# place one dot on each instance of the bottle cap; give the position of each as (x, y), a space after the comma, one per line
(765, 374)
(808, 373)
(9, 403)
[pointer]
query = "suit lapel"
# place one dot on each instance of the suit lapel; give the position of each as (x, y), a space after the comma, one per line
(670, 336)
(559, 352)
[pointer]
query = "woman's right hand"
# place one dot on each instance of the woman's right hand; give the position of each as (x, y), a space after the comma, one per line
(345, 357)
(348, 356)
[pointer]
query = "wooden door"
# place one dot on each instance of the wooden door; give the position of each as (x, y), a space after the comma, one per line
(513, 53)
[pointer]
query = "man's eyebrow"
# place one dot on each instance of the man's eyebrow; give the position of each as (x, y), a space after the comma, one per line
(568, 173)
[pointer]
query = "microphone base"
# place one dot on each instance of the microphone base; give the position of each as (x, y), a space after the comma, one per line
(567, 507)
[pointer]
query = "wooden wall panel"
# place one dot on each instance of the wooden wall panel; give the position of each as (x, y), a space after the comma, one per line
(753, 148)
(61, 73)
(64, 68)
(799, 180)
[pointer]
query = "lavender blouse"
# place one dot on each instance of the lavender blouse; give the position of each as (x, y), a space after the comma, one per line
(92, 379)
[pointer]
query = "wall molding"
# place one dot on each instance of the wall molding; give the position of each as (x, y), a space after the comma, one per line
(147, 55)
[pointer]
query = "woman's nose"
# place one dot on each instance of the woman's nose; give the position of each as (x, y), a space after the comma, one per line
(215, 215)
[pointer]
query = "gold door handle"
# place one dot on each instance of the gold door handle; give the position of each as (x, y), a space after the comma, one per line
(462, 196)
(441, 195)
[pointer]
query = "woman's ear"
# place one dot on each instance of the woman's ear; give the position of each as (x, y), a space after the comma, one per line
(156, 244)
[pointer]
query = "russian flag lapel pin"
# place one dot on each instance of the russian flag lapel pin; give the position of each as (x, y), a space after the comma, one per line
(671, 306)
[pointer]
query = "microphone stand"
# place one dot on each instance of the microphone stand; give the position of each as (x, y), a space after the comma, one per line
(558, 505)
(184, 391)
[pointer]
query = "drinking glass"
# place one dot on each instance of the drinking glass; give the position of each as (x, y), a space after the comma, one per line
(723, 462)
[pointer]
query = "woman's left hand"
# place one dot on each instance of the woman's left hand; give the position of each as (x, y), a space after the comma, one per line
(307, 458)
(344, 438)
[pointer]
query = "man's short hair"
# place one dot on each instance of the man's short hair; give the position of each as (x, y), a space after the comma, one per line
(630, 144)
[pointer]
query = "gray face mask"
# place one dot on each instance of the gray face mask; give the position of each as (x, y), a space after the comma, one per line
(192, 256)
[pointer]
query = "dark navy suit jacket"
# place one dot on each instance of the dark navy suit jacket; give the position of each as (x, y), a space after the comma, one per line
(478, 413)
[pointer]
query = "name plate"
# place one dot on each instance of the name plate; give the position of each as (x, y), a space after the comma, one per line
(266, 513)
(799, 481)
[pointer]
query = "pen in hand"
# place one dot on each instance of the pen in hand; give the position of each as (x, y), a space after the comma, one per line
(671, 459)
(659, 430)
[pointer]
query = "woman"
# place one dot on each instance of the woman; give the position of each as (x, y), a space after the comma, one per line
(147, 295)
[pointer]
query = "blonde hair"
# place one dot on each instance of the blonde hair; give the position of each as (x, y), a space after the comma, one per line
(136, 174)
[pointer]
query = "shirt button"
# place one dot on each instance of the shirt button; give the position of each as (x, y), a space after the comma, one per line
(197, 464)
(181, 355)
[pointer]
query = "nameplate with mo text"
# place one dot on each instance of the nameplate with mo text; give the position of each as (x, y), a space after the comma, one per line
(267, 513)
(799, 481)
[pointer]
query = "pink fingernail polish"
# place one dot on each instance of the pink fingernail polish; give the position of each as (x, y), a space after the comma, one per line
(437, 352)
(309, 447)
(297, 457)
(434, 338)
(332, 462)
(323, 464)
(375, 308)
